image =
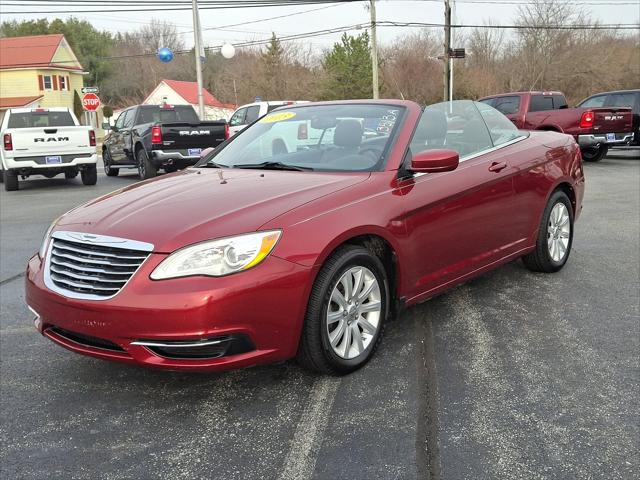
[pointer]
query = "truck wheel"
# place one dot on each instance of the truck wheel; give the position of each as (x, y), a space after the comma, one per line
(69, 174)
(106, 160)
(146, 169)
(10, 180)
(89, 175)
(594, 154)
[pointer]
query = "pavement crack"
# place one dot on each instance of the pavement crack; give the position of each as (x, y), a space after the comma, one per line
(11, 279)
(427, 449)
(300, 461)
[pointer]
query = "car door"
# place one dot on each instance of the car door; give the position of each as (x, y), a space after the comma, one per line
(127, 135)
(115, 139)
(539, 106)
(237, 121)
(457, 222)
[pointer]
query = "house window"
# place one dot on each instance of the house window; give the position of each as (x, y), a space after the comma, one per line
(63, 83)
(48, 82)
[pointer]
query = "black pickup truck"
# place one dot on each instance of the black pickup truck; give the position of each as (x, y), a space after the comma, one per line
(150, 137)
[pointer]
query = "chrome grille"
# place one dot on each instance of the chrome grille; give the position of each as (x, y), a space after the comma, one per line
(92, 266)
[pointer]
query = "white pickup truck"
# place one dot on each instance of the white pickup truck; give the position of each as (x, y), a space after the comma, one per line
(46, 141)
(250, 112)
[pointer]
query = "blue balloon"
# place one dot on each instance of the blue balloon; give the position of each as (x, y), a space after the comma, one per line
(165, 55)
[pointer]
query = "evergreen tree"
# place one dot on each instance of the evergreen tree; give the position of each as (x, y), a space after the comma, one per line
(348, 69)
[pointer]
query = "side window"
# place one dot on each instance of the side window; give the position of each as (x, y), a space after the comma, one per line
(594, 102)
(500, 127)
(252, 114)
(559, 102)
(120, 120)
(457, 126)
(507, 105)
(621, 100)
(238, 118)
(128, 120)
(540, 103)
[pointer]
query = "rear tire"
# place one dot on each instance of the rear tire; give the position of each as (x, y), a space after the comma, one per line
(10, 180)
(555, 236)
(594, 154)
(170, 168)
(89, 175)
(146, 169)
(343, 327)
(106, 161)
(70, 174)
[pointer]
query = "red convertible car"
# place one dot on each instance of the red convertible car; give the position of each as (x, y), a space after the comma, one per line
(303, 235)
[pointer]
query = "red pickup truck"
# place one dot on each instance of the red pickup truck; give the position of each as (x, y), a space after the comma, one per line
(595, 129)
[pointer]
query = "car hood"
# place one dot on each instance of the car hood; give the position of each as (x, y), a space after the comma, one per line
(201, 204)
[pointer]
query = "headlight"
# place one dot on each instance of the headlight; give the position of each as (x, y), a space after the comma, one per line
(45, 239)
(220, 257)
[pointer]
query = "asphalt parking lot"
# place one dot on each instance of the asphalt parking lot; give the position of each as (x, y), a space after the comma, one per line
(513, 375)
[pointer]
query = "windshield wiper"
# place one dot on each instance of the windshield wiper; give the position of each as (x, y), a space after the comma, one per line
(274, 166)
(212, 164)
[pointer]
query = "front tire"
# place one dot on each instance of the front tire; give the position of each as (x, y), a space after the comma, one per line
(106, 161)
(594, 154)
(89, 175)
(346, 313)
(10, 180)
(146, 169)
(555, 236)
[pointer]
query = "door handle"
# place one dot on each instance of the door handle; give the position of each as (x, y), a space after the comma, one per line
(497, 166)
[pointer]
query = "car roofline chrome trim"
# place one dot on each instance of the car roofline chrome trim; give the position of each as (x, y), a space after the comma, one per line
(483, 152)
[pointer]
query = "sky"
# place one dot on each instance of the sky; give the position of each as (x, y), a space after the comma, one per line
(320, 17)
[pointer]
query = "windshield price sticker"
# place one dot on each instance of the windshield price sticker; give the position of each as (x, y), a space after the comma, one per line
(388, 121)
(277, 117)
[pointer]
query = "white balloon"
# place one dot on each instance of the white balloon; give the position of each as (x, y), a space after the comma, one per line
(228, 50)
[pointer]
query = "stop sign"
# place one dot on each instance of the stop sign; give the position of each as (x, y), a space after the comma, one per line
(90, 102)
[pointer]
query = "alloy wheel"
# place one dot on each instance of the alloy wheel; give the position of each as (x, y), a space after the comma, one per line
(354, 312)
(558, 232)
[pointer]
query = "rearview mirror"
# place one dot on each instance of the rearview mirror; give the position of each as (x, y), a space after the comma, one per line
(433, 161)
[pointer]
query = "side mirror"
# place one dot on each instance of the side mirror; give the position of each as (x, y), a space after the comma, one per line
(106, 126)
(433, 161)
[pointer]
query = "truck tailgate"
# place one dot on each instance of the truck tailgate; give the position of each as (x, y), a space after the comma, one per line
(186, 135)
(612, 120)
(37, 141)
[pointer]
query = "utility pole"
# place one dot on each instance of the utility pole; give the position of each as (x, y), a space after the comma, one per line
(447, 50)
(198, 50)
(374, 50)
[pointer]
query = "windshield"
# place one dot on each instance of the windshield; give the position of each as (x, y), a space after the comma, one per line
(40, 119)
(347, 137)
(157, 114)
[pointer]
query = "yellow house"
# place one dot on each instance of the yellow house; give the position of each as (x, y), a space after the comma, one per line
(38, 71)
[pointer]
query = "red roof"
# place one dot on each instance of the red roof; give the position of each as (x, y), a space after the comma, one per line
(35, 51)
(189, 91)
(15, 102)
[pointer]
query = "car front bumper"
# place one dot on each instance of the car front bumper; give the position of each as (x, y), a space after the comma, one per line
(592, 140)
(261, 309)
